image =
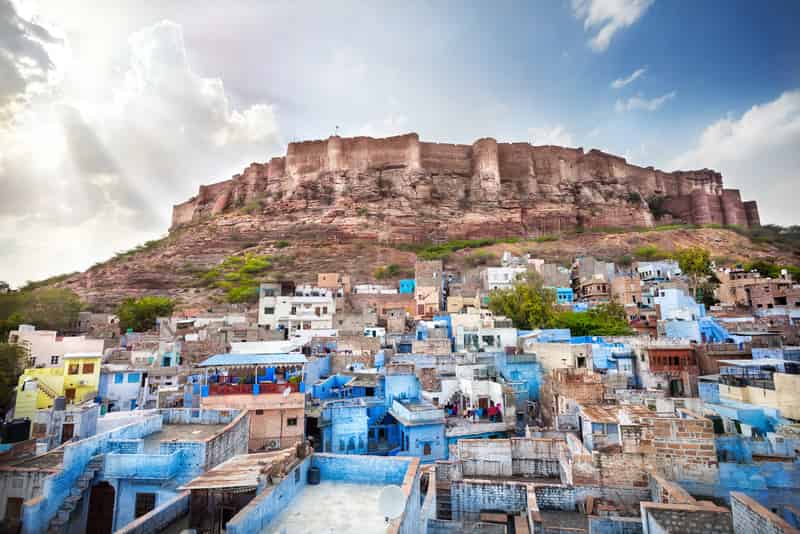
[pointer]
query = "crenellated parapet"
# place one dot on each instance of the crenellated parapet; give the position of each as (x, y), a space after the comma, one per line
(477, 176)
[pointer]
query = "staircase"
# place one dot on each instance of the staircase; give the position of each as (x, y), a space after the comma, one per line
(47, 390)
(59, 523)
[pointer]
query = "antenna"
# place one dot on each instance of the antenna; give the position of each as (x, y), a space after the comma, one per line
(391, 502)
(337, 131)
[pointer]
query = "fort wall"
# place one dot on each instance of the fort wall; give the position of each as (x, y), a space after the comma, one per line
(535, 180)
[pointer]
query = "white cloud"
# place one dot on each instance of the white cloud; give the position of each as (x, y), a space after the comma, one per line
(757, 152)
(636, 103)
(607, 17)
(556, 135)
(619, 83)
(71, 167)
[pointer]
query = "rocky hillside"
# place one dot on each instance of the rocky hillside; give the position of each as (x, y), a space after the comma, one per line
(178, 264)
(356, 205)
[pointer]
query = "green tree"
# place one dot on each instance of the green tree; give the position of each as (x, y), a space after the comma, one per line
(51, 308)
(11, 361)
(695, 262)
(527, 303)
(603, 320)
(45, 307)
(140, 314)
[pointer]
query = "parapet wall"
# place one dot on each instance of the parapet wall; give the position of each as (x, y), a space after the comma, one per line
(486, 172)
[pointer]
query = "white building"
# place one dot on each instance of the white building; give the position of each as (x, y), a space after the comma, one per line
(501, 277)
(305, 308)
(657, 270)
(47, 349)
(484, 339)
(123, 387)
(374, 289)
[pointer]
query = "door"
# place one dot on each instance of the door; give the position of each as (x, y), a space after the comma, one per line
(67, 431)
(14, 509)
(69, 394)
(483, 403)
(101, 509)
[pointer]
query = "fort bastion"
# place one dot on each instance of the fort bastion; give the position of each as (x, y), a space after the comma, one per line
(533, 186)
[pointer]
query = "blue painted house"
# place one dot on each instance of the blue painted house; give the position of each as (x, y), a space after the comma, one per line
(408, 285)
(120, 387)
(386, 415)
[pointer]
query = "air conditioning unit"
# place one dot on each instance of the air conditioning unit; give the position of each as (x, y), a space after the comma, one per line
(81, 382)
(273, 444)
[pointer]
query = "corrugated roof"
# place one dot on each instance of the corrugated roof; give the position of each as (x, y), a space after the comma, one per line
(228, 360)
(238, 472)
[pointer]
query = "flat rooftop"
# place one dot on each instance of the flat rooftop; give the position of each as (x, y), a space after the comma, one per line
(193, 432)
(332, 506)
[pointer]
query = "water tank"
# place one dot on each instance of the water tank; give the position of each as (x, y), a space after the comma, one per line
(313, 476)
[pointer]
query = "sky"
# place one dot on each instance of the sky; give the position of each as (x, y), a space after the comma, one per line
(111, 112)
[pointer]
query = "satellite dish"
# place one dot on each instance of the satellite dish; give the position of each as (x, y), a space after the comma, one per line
(391, 502)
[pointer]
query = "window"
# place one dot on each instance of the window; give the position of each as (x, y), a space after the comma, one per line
(31, 362)
(88, 368)
(73, 369)
(426, 449)
(145, 502)
(292, 421)
(297, 475)
(324, 310)
(54, 360)
(294, 310)
(118, 378)
(317, 311)
(133, 378)
(269, 311)
(269, 292)
(259, 412)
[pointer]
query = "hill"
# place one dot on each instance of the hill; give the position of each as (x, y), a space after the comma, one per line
(186, 263)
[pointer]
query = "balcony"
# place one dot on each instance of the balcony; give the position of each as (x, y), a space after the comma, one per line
(252, 389)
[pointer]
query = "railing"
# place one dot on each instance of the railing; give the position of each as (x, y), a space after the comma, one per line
(248, 389)
(741, 382)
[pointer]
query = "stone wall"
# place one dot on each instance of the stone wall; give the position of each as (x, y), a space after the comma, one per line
(470, 497)
(443, 526)
(685, 449)
(749, 516)
(539, 187)
(665, 491)
(706, 518)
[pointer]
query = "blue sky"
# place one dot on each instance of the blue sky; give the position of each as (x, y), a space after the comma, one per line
(116, 110)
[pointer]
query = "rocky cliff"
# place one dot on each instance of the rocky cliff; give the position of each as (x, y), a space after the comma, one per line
(418, 191)
(342, 205)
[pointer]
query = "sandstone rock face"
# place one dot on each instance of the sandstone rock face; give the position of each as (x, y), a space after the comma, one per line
(417, 191)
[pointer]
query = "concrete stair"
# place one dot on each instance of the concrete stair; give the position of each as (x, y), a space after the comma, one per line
(59, 523)
(47, 390)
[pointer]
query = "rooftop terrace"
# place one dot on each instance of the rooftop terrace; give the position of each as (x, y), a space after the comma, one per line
(332, 506)
(192, 432)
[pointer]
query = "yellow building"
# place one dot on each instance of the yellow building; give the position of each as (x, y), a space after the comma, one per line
(783, 397)
(77, 380)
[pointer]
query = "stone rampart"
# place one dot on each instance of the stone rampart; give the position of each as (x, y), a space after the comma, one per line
(539, 182)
